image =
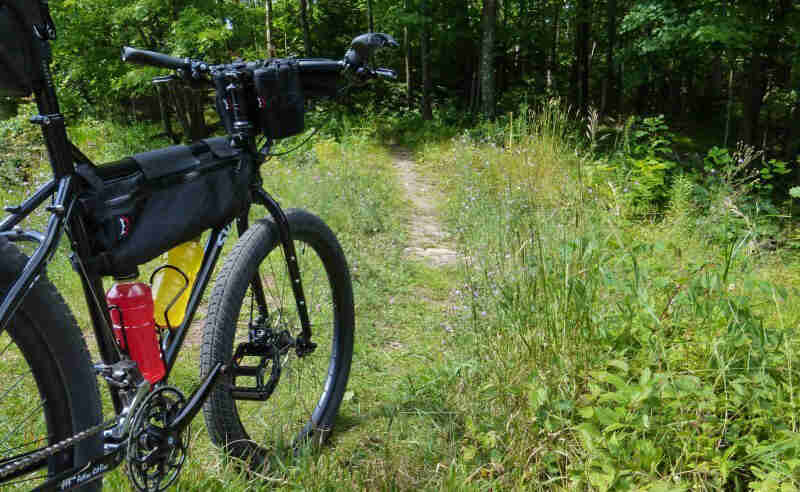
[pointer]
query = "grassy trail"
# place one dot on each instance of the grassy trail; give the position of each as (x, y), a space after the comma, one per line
(426, 235)
(399, 431)
(555, 341)
(395, 428)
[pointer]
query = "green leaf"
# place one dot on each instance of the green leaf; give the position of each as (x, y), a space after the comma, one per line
(619, 364)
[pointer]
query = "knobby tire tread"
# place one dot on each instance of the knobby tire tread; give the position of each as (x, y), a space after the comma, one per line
(45, 313)
(224, 305)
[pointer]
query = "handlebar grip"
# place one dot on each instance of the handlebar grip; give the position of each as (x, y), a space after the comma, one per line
(152, 58)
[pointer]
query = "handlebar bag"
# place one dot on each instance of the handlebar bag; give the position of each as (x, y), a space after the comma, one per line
(279, 92)
(144, 205)
(321, 82)
(20, 68)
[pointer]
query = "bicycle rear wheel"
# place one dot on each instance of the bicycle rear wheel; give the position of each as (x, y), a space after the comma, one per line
(301, 393)
(48, 391)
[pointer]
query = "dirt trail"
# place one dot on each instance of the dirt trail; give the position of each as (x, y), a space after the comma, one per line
(427, 240)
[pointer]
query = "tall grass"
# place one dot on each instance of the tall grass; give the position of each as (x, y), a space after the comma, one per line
(581, 345)
(613, 353)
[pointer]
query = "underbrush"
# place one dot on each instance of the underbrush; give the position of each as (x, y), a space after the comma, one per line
(613, 350)
(348, 182)
(594, 337)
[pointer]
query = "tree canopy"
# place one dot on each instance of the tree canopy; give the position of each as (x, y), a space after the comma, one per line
(729, 65)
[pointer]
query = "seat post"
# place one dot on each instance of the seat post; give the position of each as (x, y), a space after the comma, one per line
(50, 118)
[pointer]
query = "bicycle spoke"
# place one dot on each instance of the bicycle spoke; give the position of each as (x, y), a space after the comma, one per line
(306, 380)
(24, 480)
(17, 428)
(16, 383)
(6, 348)
(8, 450)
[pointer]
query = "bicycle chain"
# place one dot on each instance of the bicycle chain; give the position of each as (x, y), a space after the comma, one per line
(53, 449)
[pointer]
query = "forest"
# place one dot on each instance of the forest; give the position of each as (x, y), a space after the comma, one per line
(722, 70)
(572, 227)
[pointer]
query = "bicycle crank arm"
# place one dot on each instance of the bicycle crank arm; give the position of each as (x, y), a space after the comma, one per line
(115, 454)
(188, 412)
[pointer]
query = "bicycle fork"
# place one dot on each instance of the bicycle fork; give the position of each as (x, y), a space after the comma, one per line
(304, 344)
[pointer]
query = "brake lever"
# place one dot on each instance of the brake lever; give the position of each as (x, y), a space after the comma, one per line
(164, 79)
(385, 73)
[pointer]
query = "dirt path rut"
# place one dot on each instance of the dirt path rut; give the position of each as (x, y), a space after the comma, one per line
(427, 240)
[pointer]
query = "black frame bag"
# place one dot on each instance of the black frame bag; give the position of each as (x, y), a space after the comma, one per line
(144, 205)
(20, 65)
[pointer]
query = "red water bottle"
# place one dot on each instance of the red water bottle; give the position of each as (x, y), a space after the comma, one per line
(131, 305)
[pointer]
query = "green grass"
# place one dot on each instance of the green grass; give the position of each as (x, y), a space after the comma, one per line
(617, 353)
(579, 346)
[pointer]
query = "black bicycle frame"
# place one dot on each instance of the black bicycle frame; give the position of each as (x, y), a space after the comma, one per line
(63, 191)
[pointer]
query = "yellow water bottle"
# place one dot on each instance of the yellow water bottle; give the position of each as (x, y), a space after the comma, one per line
(169, 283)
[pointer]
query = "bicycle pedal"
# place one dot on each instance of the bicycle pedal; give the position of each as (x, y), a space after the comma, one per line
(250, 394)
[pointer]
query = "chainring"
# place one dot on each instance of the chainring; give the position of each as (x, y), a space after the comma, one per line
(156, 454)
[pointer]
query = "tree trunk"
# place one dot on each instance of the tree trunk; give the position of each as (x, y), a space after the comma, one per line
(370, 19)
(581, 68)
(268, 21)
(427, 112)
(306, 31)
(716, 78)
(790, 148)
(474, 92)
(552, 66)
(487, 58)
(164, 111)
(407, 50)
(609, 104)
(673, 90)
(777, 59)
(729, 108)
(753, 96)
(197, 115)
(521, 50)
(176, 93)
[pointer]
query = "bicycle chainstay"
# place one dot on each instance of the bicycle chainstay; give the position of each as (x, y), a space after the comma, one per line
(53, 449)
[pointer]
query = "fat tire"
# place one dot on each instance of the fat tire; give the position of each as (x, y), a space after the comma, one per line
(225, 304)
(46, 333)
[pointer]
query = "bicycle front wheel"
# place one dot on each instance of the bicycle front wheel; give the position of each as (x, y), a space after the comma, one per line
(276, 397)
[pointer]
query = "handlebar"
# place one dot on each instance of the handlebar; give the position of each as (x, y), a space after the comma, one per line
(319, 65)
(197, 68)
(155, 59)
(241, 86)
(355, 60)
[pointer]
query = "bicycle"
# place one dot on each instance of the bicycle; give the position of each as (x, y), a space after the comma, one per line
(295, 358)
